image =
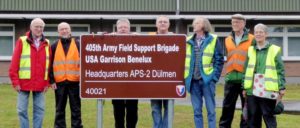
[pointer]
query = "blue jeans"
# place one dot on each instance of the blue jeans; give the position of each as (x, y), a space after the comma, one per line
(159, 120)
(199, 90)
(38, 109)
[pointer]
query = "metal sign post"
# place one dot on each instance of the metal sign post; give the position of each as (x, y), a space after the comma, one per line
(170, 113)
(99, 113)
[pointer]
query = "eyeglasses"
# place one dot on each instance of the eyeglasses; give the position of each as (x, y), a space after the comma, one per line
(236, 22)
(165, 22)
(41, 27)
(259, 32)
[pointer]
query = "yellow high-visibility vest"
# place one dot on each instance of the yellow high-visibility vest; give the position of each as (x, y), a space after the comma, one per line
(206, 58)
(25, 61)
(271, 77)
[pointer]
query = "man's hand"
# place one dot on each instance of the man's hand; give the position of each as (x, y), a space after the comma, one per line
(135, 33)
(113, 33)
(45, 89)
(17, 88)
(53, 86)
(282, 92)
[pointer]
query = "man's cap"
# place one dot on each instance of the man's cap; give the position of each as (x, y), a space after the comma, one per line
(238, 16)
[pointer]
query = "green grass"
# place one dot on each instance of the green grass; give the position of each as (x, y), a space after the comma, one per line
(183, 117)
(292, 92)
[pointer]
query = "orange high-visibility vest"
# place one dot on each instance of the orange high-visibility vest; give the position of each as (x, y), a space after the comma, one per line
(237, 55)
(66, 67)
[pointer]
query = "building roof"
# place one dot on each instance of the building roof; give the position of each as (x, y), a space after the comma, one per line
(150, 6)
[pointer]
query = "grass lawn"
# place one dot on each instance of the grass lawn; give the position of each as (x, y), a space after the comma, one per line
(183, 117)
(292, 92)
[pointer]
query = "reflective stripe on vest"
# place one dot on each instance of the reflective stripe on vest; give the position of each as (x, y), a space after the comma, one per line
(66, 72)
(66, 67)
(208, 54)
(271, 77)
(237, 54)
(188, 57)
(187, 60)
(206, 58)
(25, 61)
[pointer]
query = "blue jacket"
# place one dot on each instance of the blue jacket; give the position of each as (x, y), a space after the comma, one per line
(218, 62)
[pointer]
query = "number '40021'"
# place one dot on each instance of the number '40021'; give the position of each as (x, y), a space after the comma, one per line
(96, 91)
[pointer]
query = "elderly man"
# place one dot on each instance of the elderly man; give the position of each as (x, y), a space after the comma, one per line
(64, 77)
(29, 72)
(236, 45)
(160, 119)
(131, 106)
(204, 63)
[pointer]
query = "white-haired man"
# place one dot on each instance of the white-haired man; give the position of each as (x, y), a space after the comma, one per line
(29, 72)
(64, 77)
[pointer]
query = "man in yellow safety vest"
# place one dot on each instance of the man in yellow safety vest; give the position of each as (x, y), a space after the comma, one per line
(29, 72)
(204, 63)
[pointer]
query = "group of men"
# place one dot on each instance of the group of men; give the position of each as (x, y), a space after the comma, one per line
(36, 64)
(35, 61)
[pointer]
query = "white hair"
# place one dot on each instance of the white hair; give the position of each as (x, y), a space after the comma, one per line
(162, 16)
(206, 24)
(261, 26)
(63, 23)
(37, 20)
(123, 20)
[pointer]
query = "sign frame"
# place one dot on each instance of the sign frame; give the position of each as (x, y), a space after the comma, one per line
(95, 35)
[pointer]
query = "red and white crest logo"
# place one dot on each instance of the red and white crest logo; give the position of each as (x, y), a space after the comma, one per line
(180, 90)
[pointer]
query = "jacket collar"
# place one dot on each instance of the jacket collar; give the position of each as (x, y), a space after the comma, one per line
(268, 44)
(244, 37)
(30, 38)
(208, 38)
(65, 40)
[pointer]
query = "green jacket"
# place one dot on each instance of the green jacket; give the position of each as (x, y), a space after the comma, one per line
(235, 76)
(260, 66)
